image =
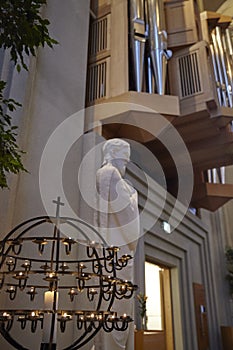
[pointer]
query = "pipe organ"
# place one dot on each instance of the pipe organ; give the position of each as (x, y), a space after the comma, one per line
(136, 38)
(166, 55)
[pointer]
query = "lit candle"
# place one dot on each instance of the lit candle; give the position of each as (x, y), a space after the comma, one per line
(10, 261)
(26, 264)
(47, 323)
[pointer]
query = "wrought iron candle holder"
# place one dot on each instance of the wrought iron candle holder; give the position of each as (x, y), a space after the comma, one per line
(46, 264)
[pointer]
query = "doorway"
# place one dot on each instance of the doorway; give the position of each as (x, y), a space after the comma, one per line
(159, 303)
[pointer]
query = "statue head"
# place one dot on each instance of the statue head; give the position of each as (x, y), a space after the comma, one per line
(117, 152)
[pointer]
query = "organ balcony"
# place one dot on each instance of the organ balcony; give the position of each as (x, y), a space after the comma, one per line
(198, 101)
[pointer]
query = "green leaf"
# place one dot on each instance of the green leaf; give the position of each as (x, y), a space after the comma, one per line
(10, 154)
(23, 29)
(18, 67)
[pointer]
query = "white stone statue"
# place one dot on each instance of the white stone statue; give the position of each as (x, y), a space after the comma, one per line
(118, 220)
(118, 216)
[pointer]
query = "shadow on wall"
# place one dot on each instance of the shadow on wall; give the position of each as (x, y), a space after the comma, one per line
(213, 5)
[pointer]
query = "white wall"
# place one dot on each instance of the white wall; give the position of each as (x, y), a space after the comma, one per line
(53, 90)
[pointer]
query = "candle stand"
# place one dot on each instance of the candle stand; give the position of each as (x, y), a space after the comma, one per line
(39, 260)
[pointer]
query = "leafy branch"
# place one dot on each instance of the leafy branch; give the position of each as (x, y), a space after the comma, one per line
(229, 263)
(142, 298)
(10, 155)
(23, 29)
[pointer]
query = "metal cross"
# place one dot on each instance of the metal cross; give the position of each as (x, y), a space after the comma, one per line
(59, 203)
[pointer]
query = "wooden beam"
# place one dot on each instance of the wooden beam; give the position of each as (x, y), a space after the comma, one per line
(212, 196)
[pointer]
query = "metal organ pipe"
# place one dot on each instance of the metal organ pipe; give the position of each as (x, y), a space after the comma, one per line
(137, 40)
(158, 43)
(147, 29)
(221, 53)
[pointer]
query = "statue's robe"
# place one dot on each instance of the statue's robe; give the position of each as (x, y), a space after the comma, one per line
(118, 220)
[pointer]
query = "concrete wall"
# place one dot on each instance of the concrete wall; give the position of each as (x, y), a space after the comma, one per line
(53, 90)
(187, 252)
(221, 227)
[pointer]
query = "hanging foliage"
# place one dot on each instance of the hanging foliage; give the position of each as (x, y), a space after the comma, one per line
(23, 29)
(229, 263)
